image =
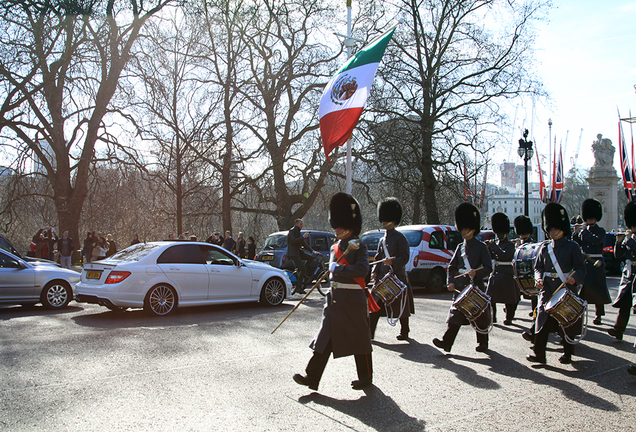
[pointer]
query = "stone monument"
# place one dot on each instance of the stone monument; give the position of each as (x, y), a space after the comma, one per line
(604, 181)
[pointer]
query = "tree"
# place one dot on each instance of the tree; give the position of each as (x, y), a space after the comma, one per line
(450, 66)
(60, 62)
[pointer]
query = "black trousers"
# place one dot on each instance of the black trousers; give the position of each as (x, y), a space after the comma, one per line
(511, 308)
(302, 272)
(318, 362)
(375, 317)
(623, 318)
(541, 338)
(451, 334)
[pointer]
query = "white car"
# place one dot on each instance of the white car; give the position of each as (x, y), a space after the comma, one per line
(162, 276)
(23, 282)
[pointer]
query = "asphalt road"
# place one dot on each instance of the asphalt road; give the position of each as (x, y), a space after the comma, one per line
(221, 369)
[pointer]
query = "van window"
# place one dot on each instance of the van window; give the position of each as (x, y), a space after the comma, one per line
(319, 243)
(414, 237)
(437, 240)
(453, 238)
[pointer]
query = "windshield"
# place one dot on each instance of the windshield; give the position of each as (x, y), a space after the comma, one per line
(414, 237)
(134, 253)
(277, 241)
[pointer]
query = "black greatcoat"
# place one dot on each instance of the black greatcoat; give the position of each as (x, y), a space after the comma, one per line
(501, 285)
(570, 258)
(398, 247)
(478, 256)
(594, 289)
(345, 317)
(627, 249)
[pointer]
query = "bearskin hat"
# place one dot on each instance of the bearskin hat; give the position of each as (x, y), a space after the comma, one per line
(554, 215)
(592, 209)
(390, 210)
(630, 214)
(467, 216)
(500, 223)
(523, 225)
(344, 212)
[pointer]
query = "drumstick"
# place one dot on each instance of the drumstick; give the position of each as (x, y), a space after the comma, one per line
(466, 274)
(353, 245)
(379, 261)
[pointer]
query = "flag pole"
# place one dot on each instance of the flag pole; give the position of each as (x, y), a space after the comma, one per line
(349, 45)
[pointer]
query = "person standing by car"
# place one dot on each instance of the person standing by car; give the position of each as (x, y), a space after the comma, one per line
(251, 248)
(229, 244)
(625, 248)
(88, 248)
(295, 251)
(591, 238)
(112, 246)
(344, 329)
(240, 245)
(501, 285)
(397, 246)
(135, 239)
(65, 246)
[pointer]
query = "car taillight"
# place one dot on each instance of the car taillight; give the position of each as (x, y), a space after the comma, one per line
(416, 260)
(117, 276)
(284, 259)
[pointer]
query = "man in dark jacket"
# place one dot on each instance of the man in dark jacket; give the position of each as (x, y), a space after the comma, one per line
(549, 277)
(501, 285)
(65, 246)
(591, 238)
(295, 251)
(470, 265)
(344, 329)
(390, 215)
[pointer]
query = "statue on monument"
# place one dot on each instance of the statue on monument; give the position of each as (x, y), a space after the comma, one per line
(603, 153)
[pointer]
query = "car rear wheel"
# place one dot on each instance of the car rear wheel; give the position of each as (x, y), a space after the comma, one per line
(273, 292)
(56, 295)
(435, 282)
(161, 300)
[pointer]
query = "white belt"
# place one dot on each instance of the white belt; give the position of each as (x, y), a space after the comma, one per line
(551, 275)
(503, 262)
(341, 285)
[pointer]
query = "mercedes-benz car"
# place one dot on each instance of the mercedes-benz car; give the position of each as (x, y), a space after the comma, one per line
(162, 276)
(27, 283)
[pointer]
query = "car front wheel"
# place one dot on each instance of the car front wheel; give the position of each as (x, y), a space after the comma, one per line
(161, 300)
(56, 295)
(436, 281)
(273, 292)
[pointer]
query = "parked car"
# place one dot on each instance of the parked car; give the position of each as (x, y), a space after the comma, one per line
(274, 250)
(613, 265)
(161, 276)
(23, 282)
(6, 245)
(432, 247)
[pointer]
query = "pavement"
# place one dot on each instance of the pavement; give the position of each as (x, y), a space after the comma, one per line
(219, 368)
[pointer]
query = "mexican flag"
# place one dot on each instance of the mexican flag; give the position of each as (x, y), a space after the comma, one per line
(346, 94)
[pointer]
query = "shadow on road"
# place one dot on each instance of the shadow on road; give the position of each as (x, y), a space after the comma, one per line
(375, 409)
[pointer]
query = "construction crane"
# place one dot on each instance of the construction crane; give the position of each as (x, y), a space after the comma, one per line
(576, 153)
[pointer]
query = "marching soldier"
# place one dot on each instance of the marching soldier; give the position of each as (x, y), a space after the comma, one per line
(397, 247)
(344, 329)
(471, 261)
(625, 247)
(523, 228)
(591, 238)
(501, 285)
(558, 261)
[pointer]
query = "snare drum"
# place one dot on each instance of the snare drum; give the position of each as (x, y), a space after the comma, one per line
(565, 307)
(389, 288)
(472, 302)
(523, 268)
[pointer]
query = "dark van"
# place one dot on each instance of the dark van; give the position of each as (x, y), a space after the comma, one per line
(274, 250)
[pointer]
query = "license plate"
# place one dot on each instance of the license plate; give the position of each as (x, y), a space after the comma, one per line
(268, 257)
(93, 274)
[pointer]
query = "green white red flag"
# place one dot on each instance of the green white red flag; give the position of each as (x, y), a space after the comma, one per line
(346, 94)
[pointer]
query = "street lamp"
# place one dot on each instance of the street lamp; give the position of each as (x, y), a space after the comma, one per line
(526, 152)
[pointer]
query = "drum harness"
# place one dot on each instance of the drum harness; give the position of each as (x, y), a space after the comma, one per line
(403, 299)
(563, 278)
(472, 322)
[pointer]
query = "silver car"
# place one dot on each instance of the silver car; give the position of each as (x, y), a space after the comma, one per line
(24, 283)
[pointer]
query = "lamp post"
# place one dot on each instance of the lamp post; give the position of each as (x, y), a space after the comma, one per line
(526, 152)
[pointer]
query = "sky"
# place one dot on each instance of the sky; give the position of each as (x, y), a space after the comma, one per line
(587, 60)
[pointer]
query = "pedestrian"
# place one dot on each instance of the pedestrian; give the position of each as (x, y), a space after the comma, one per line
(52, 240)
(344, 329)
(135, 239)
(559, 261)
(394, 253)
(251, 248)
(99, 249)
(87, 250)
(240, 245)
(591, 237)
(625, 248)
(66, 247)
(469, 266)
(112, 246)
(229, 242)
(501, 284)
